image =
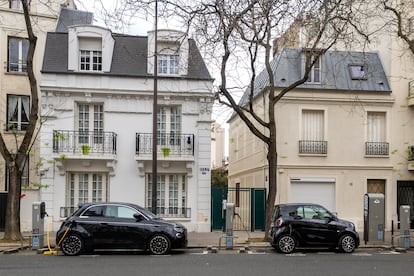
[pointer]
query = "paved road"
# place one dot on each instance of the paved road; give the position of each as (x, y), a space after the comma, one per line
(200, 262)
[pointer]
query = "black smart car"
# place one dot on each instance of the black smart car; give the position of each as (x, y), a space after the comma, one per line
(112, 226)
(310, 225)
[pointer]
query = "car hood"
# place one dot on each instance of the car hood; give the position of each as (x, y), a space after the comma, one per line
(345, 223)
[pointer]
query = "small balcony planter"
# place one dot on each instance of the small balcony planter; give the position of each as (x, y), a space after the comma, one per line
(85, 149)
(166, 151)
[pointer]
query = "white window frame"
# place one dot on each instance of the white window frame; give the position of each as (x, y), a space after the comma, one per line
(85, 187)
(376, 126)
(17, 103)
(22, 49)
(168, 64)
(90, 124)
(315, 73)
(169, 123)
(90, 61)
(171, 193)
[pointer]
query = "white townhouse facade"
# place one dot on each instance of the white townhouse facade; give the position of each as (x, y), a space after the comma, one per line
(96, 137)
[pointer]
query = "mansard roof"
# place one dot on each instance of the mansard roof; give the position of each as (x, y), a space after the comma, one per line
(287, 67)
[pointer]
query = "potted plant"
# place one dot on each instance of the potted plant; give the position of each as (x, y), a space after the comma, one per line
(85, 149)
(166, 151)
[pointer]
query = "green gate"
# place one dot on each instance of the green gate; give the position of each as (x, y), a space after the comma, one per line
(250, 208)
(258, 207)
(217, 197)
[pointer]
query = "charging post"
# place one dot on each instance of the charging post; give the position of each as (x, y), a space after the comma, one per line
(38, 231)
(229, 225)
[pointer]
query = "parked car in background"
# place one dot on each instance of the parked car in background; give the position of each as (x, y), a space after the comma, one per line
(310, 225)
(113, 226)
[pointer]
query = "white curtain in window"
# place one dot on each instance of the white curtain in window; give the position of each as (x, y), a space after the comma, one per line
(313, 125)
(26, 106)
(12, 106)
(376, 127)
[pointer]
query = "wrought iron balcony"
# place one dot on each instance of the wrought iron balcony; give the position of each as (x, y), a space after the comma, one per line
(173, 212)
(377, 148)
(313, 147)
(168, 144)
(66, 211)
(84, 142)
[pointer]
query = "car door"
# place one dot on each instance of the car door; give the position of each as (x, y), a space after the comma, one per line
(94, 225)
(318, 228)
(122, 229)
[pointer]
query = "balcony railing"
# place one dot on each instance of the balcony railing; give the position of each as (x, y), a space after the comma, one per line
(313, 147)
(173, 212)
(102, 142)
(377, 148)
(168, 144)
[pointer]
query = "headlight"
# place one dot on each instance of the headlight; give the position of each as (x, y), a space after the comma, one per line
(179, 229)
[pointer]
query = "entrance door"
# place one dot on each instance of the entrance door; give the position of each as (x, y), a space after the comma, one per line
(258, 209)
(217, 196)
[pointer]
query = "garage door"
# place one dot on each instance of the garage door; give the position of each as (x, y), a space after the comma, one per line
(309, 190)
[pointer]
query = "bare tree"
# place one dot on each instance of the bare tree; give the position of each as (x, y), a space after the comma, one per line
(402, 19)
(236, 37)
(16, 154)
(250, 27)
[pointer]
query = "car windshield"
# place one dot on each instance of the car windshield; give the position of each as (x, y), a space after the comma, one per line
(148, 213)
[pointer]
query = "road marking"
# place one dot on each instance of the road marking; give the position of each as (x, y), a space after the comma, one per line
(256, 252)
(295, 255)
(202, 253)
(362, 254)
(390, 253)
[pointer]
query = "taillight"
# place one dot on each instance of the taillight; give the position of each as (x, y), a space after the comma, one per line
(279, 222)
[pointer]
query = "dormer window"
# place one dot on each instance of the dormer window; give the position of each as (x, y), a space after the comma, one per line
(358, 72)
(315, 72)
(168, 64)
(90, 60)
(90, 54)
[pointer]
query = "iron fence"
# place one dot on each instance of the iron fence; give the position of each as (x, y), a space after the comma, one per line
(168, 144)
(313, 147)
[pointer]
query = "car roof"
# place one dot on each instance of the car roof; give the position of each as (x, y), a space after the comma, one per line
(85, 205)
(296, 204)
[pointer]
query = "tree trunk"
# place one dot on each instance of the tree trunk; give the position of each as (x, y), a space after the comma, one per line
(12, 227)
(271, 197)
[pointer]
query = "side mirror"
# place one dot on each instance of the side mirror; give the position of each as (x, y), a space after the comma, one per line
(138, 217)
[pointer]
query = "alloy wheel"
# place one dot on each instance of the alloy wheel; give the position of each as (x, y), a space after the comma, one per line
(347, 244)
(159, 245)
(286, 244)
(72, 245)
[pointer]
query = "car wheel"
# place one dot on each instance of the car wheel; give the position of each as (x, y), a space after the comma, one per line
(72, 245)
(347, 244)
(286, 244)
(159, 245)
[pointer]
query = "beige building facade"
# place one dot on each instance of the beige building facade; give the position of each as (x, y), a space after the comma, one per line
(336, 145)
(15, 89)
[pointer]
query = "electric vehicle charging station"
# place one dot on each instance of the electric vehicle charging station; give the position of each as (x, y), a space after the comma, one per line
(229, 225)
(374, 218)
(405, 219)
(38, 231)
